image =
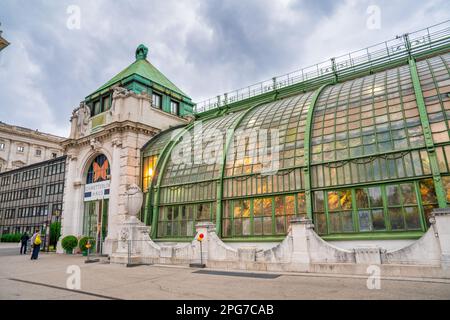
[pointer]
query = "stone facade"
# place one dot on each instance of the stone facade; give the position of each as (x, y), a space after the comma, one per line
(22, 146)
(119, 134)
(301, 251)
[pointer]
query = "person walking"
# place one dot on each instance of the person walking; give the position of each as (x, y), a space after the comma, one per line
(24, 241)
(36, 244)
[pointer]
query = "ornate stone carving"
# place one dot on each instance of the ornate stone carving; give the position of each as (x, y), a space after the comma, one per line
(95, 144)
(119, 92)
(81, 115)
(134, 200)
(124, 234)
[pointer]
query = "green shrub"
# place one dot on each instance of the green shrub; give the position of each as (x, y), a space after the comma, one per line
(11, 237)
(69, 243)
(83, 241)
(55, 233)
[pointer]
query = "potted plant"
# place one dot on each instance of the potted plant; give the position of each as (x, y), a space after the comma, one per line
(83, 245)
(69, 243)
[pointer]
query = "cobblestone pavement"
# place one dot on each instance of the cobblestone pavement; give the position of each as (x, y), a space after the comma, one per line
(47, 277)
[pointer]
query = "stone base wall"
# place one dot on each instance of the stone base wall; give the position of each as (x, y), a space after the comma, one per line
(301, 251)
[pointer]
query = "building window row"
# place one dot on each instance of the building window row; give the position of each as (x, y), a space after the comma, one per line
(5, 181)
(31, 174)
(7, 213)
(392, 207)
(33, 211)
(21, 194)
(53, 169)
(56, 188)
(157, 103)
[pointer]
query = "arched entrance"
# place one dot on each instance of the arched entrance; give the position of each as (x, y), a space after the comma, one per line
(96, 200)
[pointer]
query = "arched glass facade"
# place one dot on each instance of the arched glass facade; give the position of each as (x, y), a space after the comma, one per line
(376, 161)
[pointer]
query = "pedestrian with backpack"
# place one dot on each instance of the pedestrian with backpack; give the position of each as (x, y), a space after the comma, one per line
(36, 244)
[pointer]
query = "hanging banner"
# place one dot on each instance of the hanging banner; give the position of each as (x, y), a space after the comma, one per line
(96, 191)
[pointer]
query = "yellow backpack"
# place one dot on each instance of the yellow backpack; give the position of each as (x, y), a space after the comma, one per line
(37, 240)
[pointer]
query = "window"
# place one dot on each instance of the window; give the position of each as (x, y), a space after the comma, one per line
(2, 146)
(156, 100)
(16, 178)
(96, 108)
(20, 148)
(54, 155)
(105, 103)
(392, 207)
(174, 107)
(148, 171)
(179, 221)
(38, 152)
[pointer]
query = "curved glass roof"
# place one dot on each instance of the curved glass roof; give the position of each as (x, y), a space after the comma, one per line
(362, 130)
(158, 142)
(366, 116)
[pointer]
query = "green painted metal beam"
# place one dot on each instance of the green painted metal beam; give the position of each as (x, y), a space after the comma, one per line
(438, 186)
(307, 146)
(230, 137)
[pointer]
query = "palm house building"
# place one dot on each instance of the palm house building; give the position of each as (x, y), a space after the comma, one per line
(360, 145)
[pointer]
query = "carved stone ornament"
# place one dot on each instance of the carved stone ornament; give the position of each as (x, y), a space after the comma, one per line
(119, 92)
(134, 200)
(95, 144)
(124, 234)
(81, 115)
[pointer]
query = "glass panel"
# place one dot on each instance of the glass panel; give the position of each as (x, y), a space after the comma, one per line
(365, 221)
(393, 195)
(378, 220)
(301, 201)
(375, 197)
(408, 193)
(412, 218)
(396, 218)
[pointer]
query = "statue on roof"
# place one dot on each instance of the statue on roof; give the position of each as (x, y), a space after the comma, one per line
(141, 52)
(80, 120)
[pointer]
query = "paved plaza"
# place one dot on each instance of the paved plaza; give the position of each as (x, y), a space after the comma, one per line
(46, 278)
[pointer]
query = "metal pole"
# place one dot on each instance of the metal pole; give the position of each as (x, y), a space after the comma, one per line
(201, 253)
(129, 251)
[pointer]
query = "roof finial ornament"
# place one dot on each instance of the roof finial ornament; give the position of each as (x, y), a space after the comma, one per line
(141, 52)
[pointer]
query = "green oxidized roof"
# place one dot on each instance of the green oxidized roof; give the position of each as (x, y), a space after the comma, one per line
(145, 69)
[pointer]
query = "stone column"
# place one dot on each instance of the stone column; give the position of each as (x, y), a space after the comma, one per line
(300, 229)
(113, 210)
(442, 227)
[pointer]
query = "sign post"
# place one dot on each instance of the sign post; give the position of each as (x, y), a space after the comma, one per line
(199, 237)
(88, 247)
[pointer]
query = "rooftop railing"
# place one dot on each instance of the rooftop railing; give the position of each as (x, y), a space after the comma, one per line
(403, 46)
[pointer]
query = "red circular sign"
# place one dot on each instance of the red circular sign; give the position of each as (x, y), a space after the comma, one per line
(201, 236)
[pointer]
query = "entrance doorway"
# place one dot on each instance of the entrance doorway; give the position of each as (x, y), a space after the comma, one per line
(96, 221)
(96, 195)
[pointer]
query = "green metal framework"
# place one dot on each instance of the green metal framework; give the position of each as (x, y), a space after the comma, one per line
(398, 74)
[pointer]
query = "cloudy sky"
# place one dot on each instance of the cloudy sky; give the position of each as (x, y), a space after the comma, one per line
(206, 47)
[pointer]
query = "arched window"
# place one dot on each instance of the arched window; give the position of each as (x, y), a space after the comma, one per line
(99, 170)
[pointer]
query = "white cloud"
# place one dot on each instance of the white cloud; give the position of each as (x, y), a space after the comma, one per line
(206, 47)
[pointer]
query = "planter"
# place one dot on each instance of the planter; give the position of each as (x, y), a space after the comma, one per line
(69, 251)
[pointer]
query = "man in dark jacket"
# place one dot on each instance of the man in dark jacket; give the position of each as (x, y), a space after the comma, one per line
(24, 241)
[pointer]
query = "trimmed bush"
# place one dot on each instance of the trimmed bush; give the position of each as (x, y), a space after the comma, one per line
(69, 243)
(11, 237)
(83, 241)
